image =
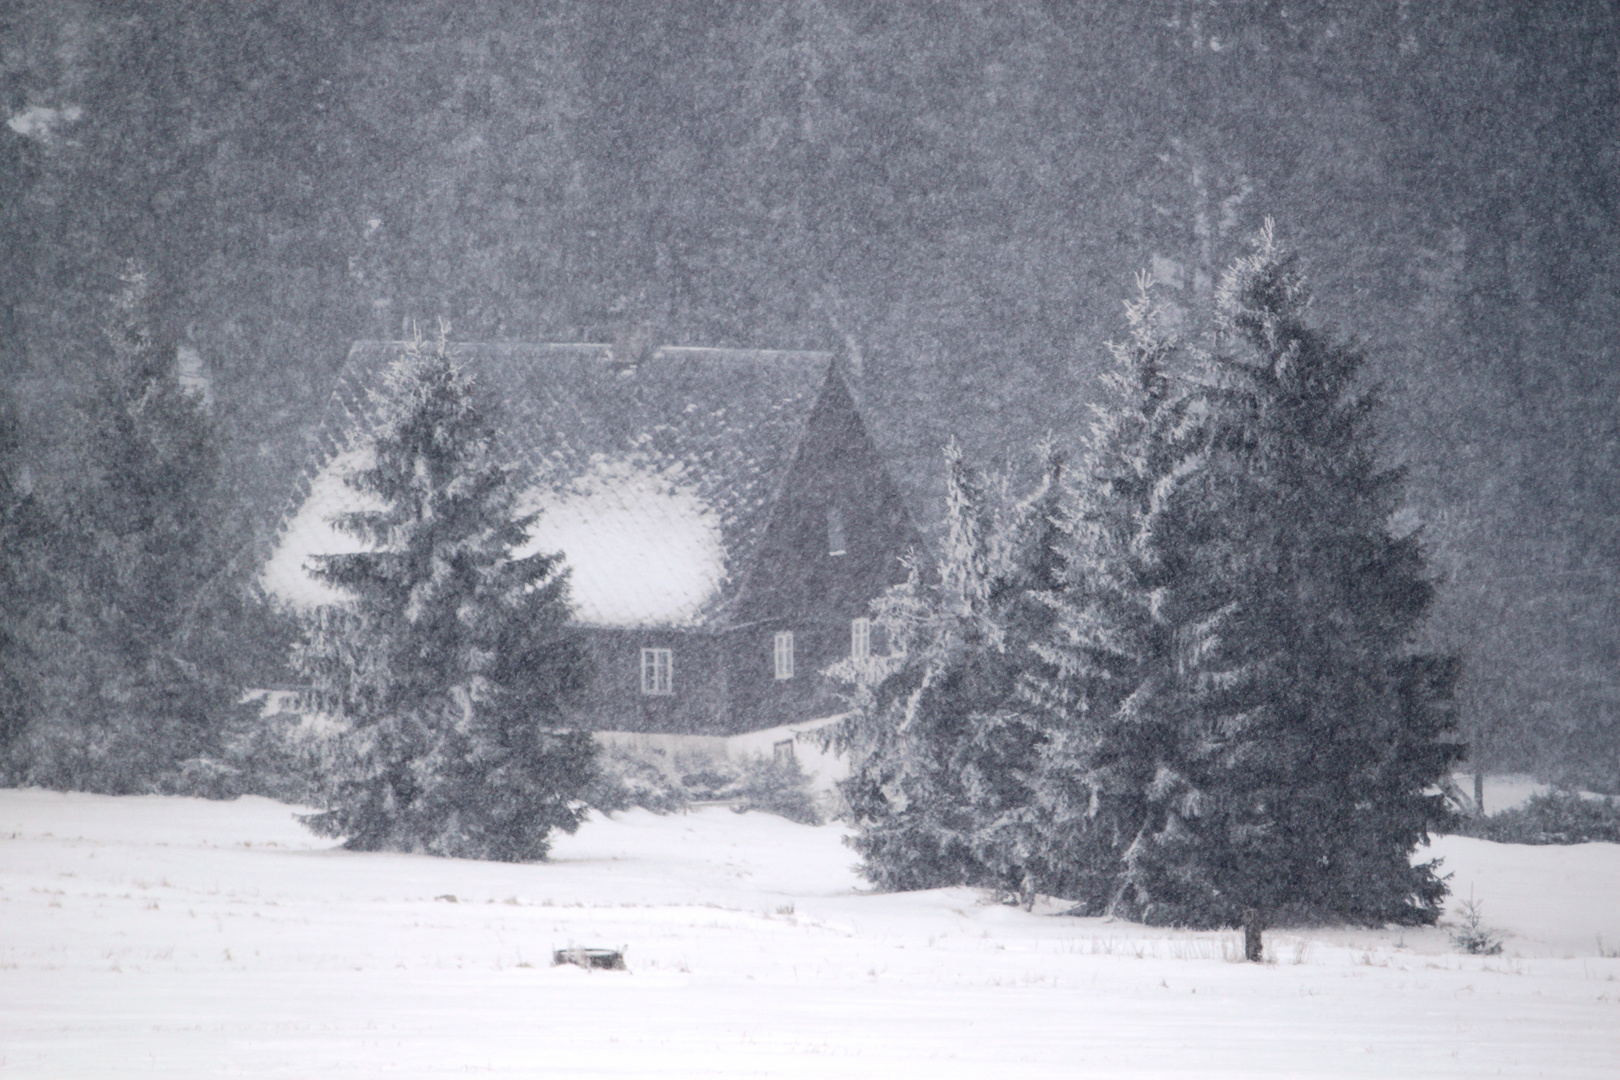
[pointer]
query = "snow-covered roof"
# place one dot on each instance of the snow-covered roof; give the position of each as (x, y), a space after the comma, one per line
(654, 479)
(308, 530)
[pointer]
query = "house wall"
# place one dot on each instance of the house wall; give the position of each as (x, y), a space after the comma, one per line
(837, 472)
(724, 682)
(758, 698)
(835, 540)
(837, 484)
(697, 704)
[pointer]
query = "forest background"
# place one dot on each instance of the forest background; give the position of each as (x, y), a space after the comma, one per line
(954, 195)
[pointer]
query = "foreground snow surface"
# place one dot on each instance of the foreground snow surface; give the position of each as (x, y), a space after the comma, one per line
(177, 937)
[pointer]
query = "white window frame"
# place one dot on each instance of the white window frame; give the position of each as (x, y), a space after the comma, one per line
(860, 638)
(783, 653)
(836, 543)
(657, 672)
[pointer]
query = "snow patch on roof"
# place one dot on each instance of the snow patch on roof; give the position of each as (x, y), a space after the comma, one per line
(644, 547)
(310, 532)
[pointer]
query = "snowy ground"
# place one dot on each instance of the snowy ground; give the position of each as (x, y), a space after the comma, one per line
(179, 938)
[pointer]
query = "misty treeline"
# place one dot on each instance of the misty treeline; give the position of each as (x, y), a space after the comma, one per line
(1179, 682)
(955, 196)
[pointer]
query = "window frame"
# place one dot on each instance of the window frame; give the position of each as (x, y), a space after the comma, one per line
(860, 638)
(661, 682)
(782, 655)
(837, 543)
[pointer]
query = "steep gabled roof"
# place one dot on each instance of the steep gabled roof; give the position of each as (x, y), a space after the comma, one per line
(656, 478)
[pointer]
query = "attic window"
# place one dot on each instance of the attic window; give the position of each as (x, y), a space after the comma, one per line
(860, 639)
(835, 531)
(656, 670)
(784, 654)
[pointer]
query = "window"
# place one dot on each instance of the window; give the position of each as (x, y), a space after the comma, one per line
(860, 639)
(784, 654)
(835, 531)
(656, 672)
(782, 752)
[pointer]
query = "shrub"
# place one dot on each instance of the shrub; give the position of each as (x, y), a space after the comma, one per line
(776, 787)
(1556, 817)
(637, 777)
(650, 778)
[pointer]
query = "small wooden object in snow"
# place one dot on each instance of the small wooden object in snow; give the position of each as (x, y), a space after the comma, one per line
(590, 959)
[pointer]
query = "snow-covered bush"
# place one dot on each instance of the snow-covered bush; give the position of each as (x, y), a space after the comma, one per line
(1555, 817)
(775, 787)
(653, 779)
(636, 777)
(283, 755)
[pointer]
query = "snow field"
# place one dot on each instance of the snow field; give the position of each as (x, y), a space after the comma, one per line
(178, 937)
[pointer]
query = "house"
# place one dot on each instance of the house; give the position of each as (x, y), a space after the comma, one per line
(724, 513)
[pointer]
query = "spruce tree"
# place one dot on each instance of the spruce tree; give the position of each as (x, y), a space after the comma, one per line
(1123, 773)
(24, 528)
(1242, 727)
(945, 754)
(1328, 729)
(451, 665)
(131, 687)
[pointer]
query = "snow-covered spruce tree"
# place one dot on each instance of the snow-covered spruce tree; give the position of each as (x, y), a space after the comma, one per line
(130, 689)
(450, 667)
(945, 757)
(24, 528)
(1326, 729)
(1125, 769)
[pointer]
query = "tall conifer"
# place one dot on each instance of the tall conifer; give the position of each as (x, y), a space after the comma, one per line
(1243, 728)
(450, 667)
(23, 527)
(1187, 690)
(131, 684)
(946, 758)
(1330, 729)
(1123, 772)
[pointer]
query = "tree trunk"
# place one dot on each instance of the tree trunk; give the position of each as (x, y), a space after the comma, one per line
(1479, 793)
(1253, 949)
